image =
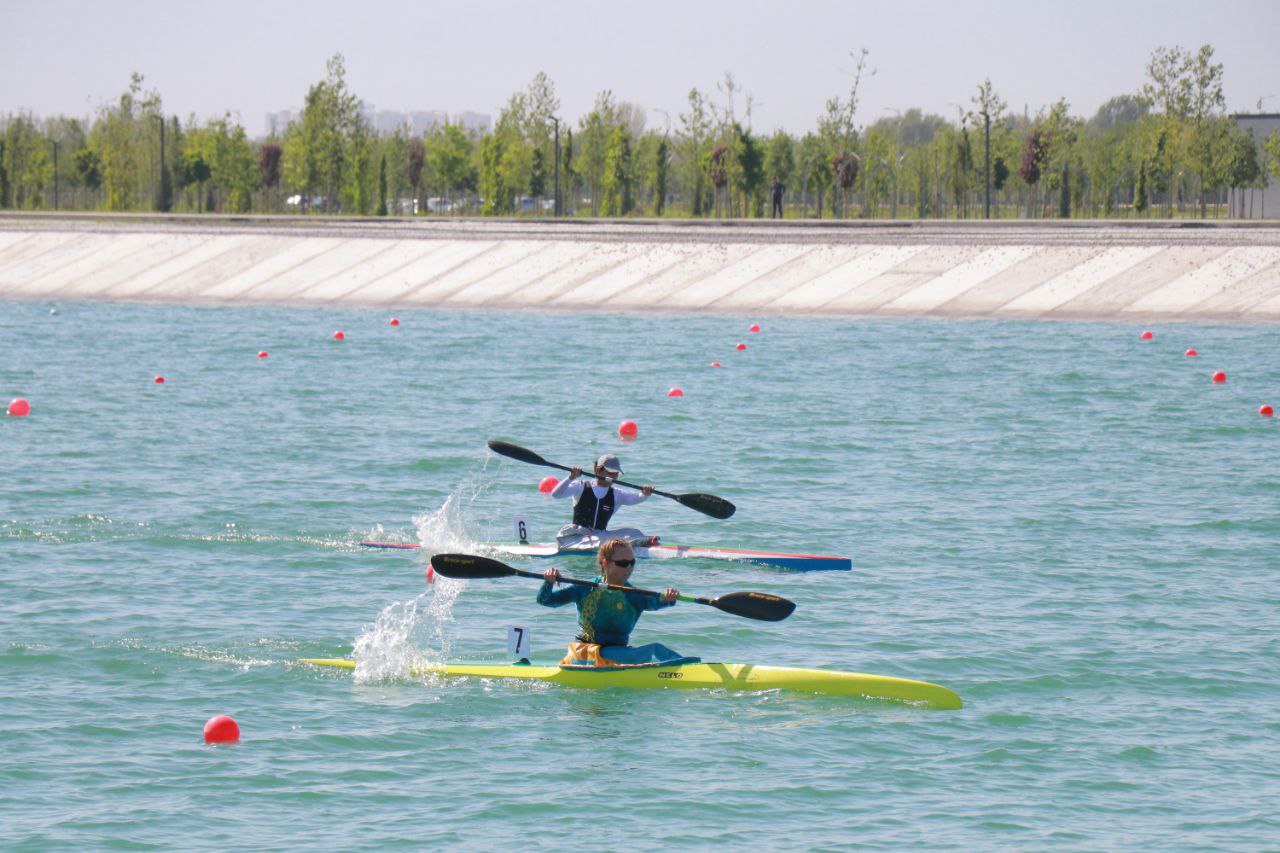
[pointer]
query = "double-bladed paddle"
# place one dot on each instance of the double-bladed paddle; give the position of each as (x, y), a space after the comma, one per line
(752, 605)
(716, 507)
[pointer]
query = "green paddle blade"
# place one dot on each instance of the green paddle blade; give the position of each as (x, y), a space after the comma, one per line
(754, 605)
(469, 567)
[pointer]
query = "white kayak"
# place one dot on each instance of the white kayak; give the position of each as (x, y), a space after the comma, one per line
(778, 559)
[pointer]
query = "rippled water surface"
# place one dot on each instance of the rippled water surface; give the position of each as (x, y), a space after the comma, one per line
(1074, 529)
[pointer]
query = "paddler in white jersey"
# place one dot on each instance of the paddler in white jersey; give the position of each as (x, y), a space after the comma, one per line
(594, 505)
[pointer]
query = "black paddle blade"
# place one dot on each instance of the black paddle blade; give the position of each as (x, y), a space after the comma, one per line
(711, 505)
(469, 567)
(515, 451)
(755, 605)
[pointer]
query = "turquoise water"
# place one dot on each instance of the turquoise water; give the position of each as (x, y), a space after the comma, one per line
(1074, 529)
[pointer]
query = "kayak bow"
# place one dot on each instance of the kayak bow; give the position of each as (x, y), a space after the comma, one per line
(704, 676)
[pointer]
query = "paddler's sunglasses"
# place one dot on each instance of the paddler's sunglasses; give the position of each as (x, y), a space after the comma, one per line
(626, 564)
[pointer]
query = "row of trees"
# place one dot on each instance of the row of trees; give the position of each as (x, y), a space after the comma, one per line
(1169, 149)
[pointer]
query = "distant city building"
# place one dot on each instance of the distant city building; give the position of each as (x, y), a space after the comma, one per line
(278, 122)
(475, 122)
(1264, 203)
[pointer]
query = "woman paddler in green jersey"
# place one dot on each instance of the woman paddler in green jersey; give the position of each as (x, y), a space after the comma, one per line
(606, 617)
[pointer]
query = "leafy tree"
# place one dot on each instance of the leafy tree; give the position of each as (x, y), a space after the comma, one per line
(780, 156)
(751, 179)
(26, 164)
(693, 150)
(661, 166)
(615, 185)
(416, 161)
(322, 148)
(718, 170)
(570, 175)
(1187, 90)
(593, 140)
(493, 187)
(1035, 151)
(1116, 112)
(382, 186)
(115, 138)
(538, 174)
(815, 172)
(999, 174)
(1272, 149)
(990, 107)
(449, 153)
(1244, 167)
(1140, 198)
(269, 164)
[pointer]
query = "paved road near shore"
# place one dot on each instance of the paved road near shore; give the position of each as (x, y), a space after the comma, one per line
(1190, 269)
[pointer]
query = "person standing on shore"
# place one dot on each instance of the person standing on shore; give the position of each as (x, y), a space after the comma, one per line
(776, 189)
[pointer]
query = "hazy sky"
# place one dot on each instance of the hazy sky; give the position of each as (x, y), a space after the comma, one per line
(249, 58)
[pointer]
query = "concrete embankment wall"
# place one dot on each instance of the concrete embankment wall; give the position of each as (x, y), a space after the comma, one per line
(1005, 269)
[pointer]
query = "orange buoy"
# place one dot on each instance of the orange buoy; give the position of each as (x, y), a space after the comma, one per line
(715, 364)
(1146, 336)
(628, 429)
(1265, 410)
(262, 354)
(548, 484)
(740, 346)
(755, 327)
(675, 392)
(159, 380)
(221, 729)
(1191, 353)
(339, 335)
(1219, 377)
(19, 407)
(395, 321)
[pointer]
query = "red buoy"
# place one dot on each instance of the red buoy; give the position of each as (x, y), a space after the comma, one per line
(159, 380)
(740, 346)
(339, 336)
(1146, 336)
(1191, 352)
(548, 484)
(715, 364)
(1219, 377)
(755, 327)
(430, 573)
(1265, 410)
(628, 429)
(221, 729)
(262, 354)
(675, 392)
(395, 321)
(19, 407)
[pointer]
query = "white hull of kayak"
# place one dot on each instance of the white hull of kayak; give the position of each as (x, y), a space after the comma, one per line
(778, 559)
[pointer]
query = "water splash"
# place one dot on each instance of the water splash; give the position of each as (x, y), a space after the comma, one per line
(411, 638)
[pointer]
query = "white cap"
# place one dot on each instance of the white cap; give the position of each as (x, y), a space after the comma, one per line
(609, 462)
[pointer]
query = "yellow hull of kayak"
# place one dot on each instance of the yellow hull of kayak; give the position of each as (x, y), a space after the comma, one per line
(705, 676)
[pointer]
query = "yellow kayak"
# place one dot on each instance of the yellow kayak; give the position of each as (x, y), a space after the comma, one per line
(706, 676)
